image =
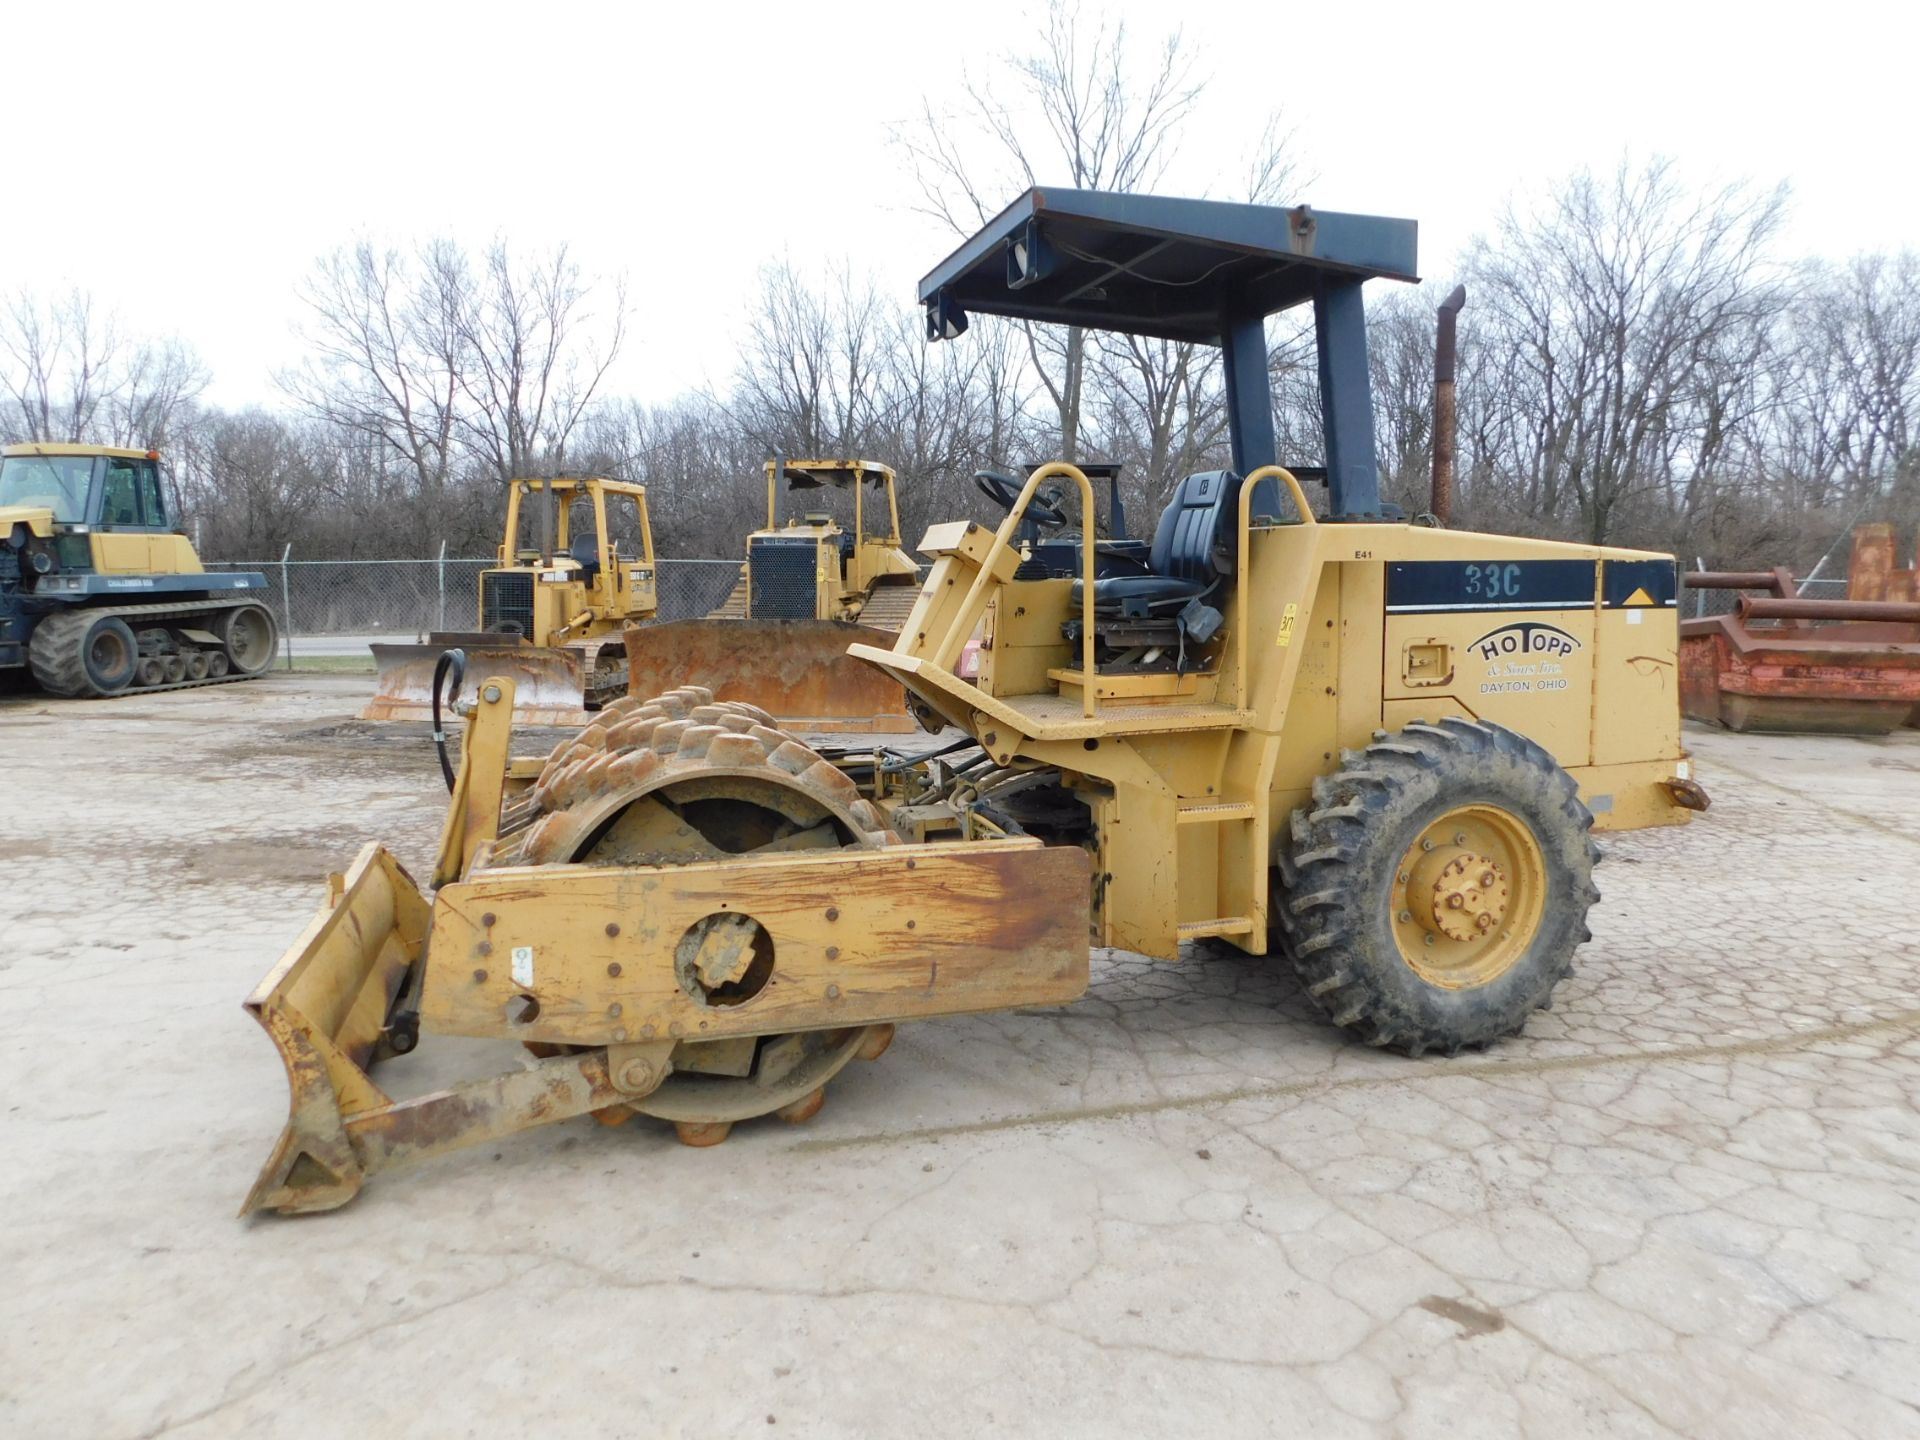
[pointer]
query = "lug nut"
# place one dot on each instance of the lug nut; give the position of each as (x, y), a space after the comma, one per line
(1405, 916)
(1429, 937)
(1454, 902)
(1486, 880)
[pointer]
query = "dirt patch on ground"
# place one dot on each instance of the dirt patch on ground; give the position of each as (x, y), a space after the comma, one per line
(273, 862)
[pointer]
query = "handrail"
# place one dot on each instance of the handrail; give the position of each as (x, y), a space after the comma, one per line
(1242, 627)
(1003, 539)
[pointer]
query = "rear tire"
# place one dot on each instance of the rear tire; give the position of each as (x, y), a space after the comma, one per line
(249, 638)
(83, 654)
(1434, 892)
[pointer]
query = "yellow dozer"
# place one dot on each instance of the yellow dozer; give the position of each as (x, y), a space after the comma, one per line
(809, 588)
(1372, 750)
(575, 568)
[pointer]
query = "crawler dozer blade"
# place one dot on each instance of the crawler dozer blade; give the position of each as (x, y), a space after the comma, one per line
(797, 670)
(549, 682)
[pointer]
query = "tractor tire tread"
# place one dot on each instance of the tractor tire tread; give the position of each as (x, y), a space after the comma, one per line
(1338, 854)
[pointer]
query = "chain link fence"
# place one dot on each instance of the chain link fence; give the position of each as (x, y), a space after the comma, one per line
(339, 607)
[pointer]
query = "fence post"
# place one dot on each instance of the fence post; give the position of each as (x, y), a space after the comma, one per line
(286, 604)
(1699, 595)
(440, 613)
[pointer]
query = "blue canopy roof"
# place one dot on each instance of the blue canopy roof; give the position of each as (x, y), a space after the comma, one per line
(1160, 266)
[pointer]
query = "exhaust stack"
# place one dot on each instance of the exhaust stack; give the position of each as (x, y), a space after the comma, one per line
(1444, 422)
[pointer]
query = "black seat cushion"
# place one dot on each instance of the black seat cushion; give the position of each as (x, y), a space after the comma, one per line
(585, 551)
(1116, 590)
(1189, 554)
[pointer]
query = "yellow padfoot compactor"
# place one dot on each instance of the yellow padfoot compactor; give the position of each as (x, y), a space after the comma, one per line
(1374, 750)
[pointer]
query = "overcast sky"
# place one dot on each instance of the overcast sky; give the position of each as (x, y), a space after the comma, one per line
(186, 162)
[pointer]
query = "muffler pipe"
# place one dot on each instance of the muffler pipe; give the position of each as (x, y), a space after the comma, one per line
(1445, 422)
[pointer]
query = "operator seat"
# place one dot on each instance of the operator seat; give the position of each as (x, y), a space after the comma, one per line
(1192, 550)
(585, 551)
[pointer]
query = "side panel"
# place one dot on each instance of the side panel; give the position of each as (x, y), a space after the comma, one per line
(1023, 639)
(1506, 640)
(1637, 646)
(121, 553)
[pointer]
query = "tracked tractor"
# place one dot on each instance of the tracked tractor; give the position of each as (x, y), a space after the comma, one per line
(1370, 750)
(809, 588)
(101, 595)
(574, 568)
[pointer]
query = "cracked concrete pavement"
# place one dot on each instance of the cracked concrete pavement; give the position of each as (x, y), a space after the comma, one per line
(1685, 1203)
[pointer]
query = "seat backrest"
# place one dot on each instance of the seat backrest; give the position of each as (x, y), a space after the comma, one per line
(1188, 543)
(585, 550)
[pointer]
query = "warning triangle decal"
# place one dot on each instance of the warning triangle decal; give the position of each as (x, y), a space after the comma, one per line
(1638, 597)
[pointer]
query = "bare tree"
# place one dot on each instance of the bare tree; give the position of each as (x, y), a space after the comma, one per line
(70, 374)
(1106, 119)
(452, 373)
(1615, 300)
(387, 354)
(537, 355)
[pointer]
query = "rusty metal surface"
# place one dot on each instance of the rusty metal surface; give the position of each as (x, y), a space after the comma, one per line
(1445, 424)
(1768, 608)
(797, 670)
(1851, 678)
(1870, 566)
(549, 683)
(1778, 581)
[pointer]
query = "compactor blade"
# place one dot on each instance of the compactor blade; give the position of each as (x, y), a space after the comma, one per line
(549, 683)
(330, 1008)
(797, 670)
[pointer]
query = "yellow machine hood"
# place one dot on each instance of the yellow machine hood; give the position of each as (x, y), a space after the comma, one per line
(36, 518)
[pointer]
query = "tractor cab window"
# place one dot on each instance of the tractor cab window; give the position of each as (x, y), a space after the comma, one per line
(583, 538)
(153, 508)
(131, 495)
(120, 503)
(48, 482)
(623, 526)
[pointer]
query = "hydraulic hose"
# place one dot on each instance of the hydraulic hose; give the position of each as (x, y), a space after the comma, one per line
(456, 661)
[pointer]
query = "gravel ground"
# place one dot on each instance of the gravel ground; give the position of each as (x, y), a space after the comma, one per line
(1685, 1203)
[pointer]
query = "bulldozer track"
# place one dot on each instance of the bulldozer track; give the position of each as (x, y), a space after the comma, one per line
(889, 606)
(161, 613)
(734, 607)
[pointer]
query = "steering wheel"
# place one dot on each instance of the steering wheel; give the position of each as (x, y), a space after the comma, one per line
(1004, 491)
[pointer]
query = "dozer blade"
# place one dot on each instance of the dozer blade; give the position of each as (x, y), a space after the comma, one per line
(549, 683)
(855, 940)
(346, 995)
(797, 670)
(327, 1006)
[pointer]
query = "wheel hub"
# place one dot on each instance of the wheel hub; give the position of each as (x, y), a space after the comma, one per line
(1468, 896)
(1458, 893)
